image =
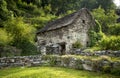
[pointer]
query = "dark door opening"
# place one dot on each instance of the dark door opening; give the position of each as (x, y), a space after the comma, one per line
(63, 48)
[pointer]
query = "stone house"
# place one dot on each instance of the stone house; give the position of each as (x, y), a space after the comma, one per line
(58, 36)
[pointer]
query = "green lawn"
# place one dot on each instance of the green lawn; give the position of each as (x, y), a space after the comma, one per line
(50, 72)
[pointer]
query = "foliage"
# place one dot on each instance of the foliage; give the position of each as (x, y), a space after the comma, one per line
(23, 34)
(93, 4)
(105, 19)
(116, 71)
(106, 4)
(39, 22)
(4, 13)
(51, 6)
(95, 34)
(77, 44)
(13, 12)
(36, 13)
(112, 42)
(5, 38)
(19, 29)
(52, 59)
(107, 68)
(94, 38)
(114, 29)
(105, 23)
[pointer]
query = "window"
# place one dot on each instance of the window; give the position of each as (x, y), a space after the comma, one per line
(83, 21)
(68, 37)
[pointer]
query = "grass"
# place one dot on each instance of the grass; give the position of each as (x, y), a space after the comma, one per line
(50, 72)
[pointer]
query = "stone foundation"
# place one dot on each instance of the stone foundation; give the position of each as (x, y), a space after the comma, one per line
(20, 61)
(96, 53)
(102, 63)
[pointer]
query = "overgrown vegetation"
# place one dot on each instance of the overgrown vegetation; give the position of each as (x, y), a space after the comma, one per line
(112, 42)
(77, 44)
(19, 20)
(105, 35)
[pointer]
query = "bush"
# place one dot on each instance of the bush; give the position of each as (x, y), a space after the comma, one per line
(23, 35)
(53, 59)
(95, 34)
(95, 38)
(109, 43)
(115, 71)
(114, 29)
(107, 68)
(5, 39)
(77, 44)
(9, 51)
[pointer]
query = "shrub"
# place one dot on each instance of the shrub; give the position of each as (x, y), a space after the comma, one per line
(53, 59)
(95, 34)
(110, 43)
(23, 35)
(5, 39)
(77, 44)
(107, 68)
(10, 51)
(114, 29)
(115, 71)
(95, 38)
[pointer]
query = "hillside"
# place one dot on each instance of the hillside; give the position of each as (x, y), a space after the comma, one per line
(20, 19)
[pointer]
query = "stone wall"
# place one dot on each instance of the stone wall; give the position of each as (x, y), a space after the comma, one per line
(102, 63)
(96, 53)
(20, 61)
(98, 64)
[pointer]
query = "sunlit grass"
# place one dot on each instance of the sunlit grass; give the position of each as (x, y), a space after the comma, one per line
(50, 72)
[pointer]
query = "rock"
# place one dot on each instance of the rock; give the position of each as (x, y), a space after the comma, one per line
(87, 67)
(72, 63)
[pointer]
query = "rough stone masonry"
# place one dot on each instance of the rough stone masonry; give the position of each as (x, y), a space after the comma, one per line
(70, 61)
(58, 36)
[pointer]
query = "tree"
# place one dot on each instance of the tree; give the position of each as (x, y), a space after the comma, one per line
(105, 19)
(106, 4)
(93, 4)
(90, 4)
(5, 38)
(23, 34)
(4, 13)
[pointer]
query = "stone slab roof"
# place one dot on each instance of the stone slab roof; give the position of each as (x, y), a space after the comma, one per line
(62, 22)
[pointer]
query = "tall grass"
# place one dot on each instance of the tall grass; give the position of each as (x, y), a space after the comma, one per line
(50, 72)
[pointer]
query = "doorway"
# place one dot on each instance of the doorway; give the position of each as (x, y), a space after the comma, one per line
(63, 48)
